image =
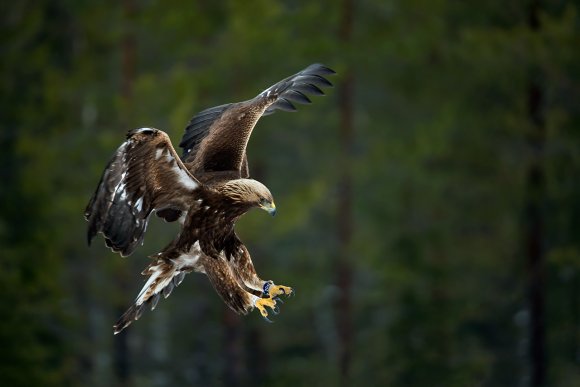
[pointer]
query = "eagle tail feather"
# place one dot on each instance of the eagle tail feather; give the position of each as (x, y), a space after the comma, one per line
(164, 275)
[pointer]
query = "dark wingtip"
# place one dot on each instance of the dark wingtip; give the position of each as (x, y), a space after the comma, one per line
(322, 69)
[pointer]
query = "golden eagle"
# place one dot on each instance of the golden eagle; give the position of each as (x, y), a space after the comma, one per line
(206, 190)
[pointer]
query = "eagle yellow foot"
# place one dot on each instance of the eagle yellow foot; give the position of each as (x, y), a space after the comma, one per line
(262, 303)
(273, 291)
(278, 290)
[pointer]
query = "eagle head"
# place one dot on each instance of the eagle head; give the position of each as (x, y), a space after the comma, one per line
(250, 192)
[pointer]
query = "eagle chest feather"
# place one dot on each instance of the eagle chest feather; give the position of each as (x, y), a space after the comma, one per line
(213, 220)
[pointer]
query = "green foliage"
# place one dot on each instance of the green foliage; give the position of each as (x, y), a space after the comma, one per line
(439, 165)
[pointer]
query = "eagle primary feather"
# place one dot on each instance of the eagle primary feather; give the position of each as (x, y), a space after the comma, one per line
(207, 191)
(216, 138)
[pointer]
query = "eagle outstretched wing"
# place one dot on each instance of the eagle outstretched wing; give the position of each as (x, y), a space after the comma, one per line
(144, 175)
(216, 138)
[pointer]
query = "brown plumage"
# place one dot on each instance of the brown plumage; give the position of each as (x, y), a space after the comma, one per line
(207, 190)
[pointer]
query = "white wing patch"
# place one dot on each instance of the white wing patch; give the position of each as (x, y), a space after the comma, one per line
(184, 178)
(121, 188)
(139, 204)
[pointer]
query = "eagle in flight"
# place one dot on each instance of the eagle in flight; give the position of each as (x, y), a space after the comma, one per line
(206, 189)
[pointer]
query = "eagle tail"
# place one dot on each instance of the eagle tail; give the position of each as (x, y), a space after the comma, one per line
(294, 88)
(164, 275)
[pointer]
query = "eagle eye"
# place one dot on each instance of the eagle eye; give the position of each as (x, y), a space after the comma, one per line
(263, 201)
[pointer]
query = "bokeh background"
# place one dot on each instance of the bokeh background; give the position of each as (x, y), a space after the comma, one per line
(429, 206)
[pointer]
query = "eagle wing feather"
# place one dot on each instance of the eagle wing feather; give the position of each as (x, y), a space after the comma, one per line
(216, 138)
(145, 174)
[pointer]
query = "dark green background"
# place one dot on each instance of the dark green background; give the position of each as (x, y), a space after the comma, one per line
(462, 155)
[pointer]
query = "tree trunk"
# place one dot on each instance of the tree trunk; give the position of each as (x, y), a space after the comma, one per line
(535, 233)
(232, 357)
(344, 210)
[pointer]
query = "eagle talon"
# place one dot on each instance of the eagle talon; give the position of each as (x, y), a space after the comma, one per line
(278, 290)
(278, 299)
(262, 303)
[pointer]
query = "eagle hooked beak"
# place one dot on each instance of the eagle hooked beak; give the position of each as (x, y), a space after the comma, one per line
(269, 207)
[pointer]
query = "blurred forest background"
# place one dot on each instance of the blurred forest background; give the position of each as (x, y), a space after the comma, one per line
(428, 207)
